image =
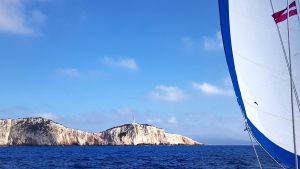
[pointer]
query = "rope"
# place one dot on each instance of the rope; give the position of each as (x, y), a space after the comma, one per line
(248, 130)
(292, 86)
(266, 151)
(296, 95)
(256, 154)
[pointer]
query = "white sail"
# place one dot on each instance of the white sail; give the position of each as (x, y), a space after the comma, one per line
(259, 71)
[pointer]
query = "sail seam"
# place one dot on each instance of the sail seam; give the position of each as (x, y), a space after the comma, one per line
(271, 114)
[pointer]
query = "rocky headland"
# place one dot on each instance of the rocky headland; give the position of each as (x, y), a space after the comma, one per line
(41, 131)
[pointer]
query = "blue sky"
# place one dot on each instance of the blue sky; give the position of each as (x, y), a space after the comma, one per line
(90, 65)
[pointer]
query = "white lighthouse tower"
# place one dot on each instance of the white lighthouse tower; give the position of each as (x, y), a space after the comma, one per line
(133, 118)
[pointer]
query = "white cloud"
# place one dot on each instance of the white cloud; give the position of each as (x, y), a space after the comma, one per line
(213, 43)
(15, 17)
(127, 63)
(206, 88)
(69, 72)
(211, 89)
(172, 120)
(167, 93)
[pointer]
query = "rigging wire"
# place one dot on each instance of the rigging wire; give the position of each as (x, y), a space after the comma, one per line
(292, 84)
(293, 87)
(248, 130)
(296, 95)
(266, 150)
(252, 136)
(286, 59)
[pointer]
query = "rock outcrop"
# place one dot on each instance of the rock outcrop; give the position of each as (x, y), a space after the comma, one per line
(41, 131)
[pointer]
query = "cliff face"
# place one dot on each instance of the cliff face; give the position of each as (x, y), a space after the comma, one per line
(40, 131)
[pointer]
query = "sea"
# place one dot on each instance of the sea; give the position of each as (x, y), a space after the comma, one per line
(206, 157)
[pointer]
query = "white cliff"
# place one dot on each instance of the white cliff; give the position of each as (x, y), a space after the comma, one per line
(40, 131)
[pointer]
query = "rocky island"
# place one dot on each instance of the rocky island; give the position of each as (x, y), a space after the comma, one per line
(41, 131)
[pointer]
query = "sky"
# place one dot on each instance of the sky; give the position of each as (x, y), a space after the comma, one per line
(92, 65)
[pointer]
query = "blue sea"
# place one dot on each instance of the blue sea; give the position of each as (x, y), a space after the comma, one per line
(206, 157)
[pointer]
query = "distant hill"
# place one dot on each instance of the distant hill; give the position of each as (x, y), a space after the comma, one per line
(41, 131)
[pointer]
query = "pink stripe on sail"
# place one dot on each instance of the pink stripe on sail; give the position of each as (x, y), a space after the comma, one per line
(278, 14)
(284, 16)
(293, 4)
(293, 12)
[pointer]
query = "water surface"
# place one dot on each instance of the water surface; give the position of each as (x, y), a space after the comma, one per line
(206, 157)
